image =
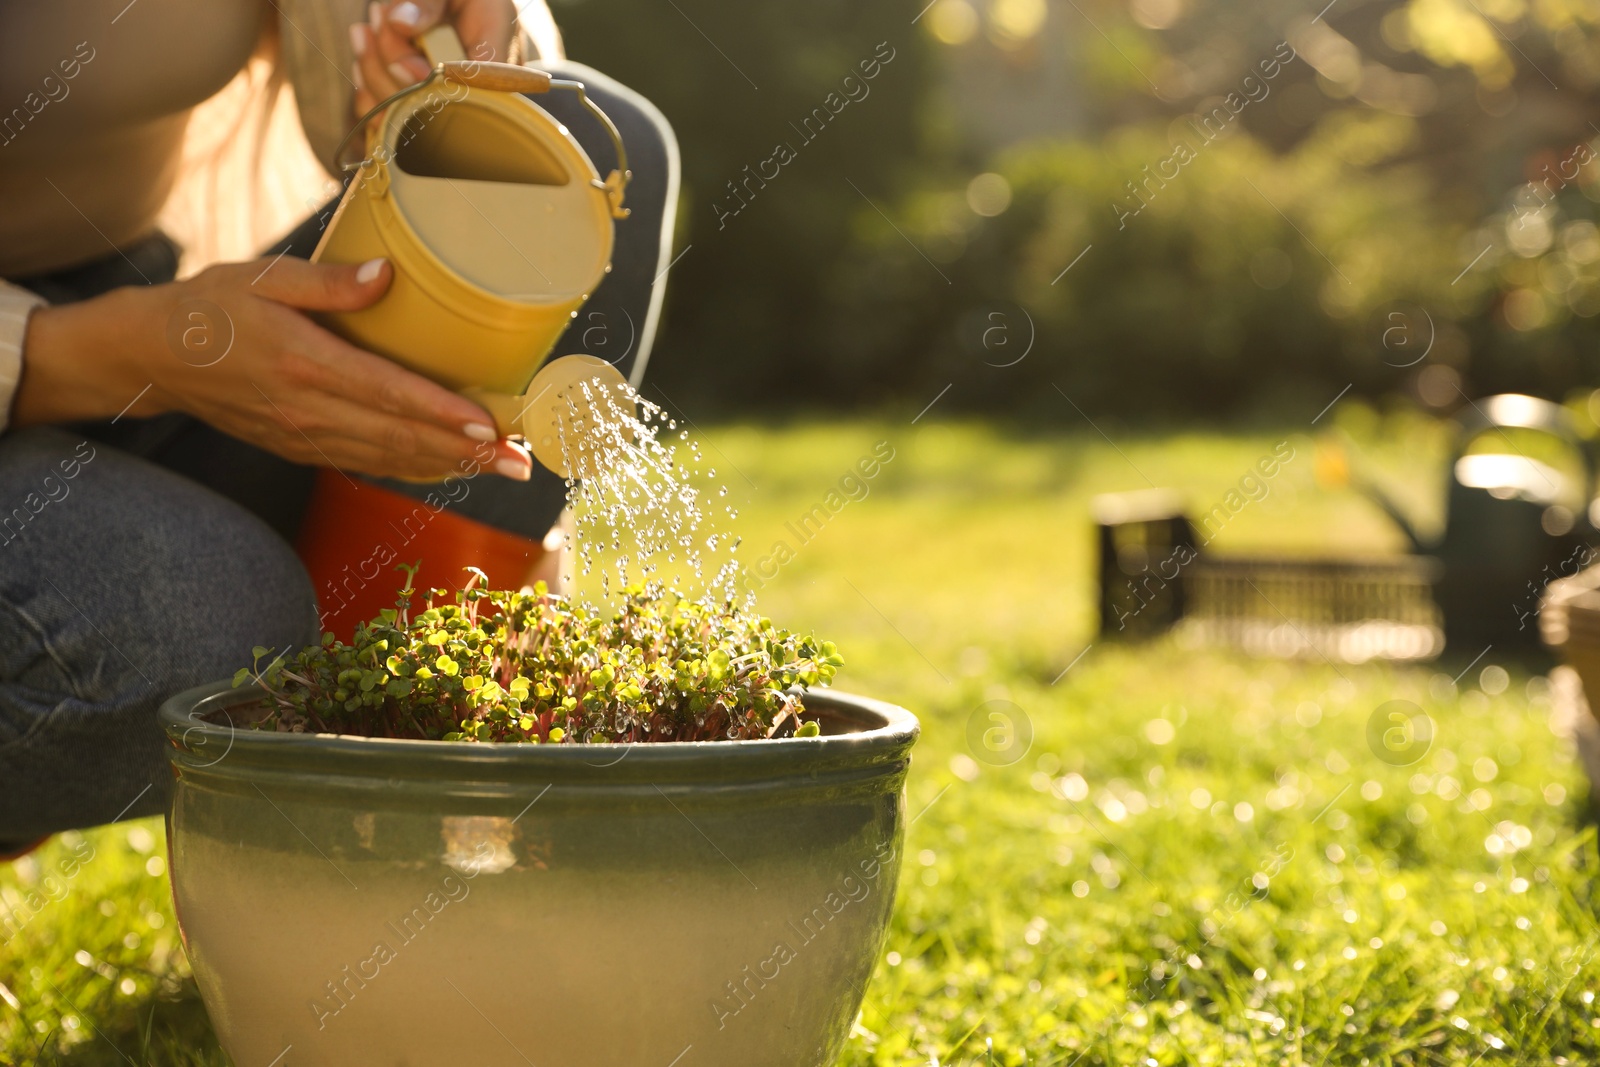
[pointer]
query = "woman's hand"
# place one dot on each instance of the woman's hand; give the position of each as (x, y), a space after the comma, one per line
(231, 347)
(387, 56)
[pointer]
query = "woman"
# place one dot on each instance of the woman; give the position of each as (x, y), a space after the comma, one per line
(147, 497)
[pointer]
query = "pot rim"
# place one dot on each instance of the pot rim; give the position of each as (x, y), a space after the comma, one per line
(222, 750)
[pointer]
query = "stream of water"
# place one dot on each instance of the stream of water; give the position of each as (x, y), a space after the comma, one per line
(640, 518)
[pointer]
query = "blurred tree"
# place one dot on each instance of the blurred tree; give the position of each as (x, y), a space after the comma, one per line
(738, 80)
(1248, 275)
(1418, 177)
(1503, 93)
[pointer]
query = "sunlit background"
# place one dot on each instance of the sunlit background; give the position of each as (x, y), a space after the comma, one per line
(1042, 251)
(1403, 142)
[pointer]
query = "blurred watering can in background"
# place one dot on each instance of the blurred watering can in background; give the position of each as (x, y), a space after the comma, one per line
(1512, 523)
(498, 227)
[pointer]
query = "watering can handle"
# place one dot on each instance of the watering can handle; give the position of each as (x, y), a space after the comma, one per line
(495, 77)
(443, 48)
(1515, 411)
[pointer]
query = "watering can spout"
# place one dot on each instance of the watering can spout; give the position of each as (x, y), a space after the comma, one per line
(571, 409)
(1387, 505)
(1335, 471)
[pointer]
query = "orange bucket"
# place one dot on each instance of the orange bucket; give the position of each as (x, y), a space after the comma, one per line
(355, 533)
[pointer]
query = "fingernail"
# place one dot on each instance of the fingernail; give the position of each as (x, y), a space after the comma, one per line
(375, 15)
(510, 468)
(369, 270)
(401, 75)
(480, 431)
(358, 39)
(407, 14)
(355, 76)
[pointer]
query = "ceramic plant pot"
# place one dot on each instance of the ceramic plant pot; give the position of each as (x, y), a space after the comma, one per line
(1569, 622)
(380, 902)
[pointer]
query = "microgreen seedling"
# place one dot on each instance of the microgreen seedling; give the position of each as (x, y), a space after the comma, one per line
(537, 668)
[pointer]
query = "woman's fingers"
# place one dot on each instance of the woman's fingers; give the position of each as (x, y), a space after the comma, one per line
(340, 369)
(394, 48)
(360, 44)
(289, 385)
(354, 456)
(403, 448)
(485, 27)
(333, 366)
(379, 67)
(387, 56)
(327, 415)
(319, 429)
(414, 17)
(299, 283)
(362, 456)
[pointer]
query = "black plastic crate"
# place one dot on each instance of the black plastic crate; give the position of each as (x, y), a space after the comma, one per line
(1349, 610)
(1154, 576)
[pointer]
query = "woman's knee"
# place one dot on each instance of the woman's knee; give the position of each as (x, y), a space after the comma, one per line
(124, 586)
(129, 569)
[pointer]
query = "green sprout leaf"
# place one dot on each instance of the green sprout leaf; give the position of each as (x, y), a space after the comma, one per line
(481, 665)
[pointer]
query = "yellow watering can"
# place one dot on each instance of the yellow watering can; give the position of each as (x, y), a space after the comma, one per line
(498, 227)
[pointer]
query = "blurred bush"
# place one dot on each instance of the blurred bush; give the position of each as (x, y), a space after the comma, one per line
(1393, 196)
(1220, 292)
(736, 80)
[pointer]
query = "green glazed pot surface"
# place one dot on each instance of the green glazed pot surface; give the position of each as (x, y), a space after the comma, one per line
(347, 900)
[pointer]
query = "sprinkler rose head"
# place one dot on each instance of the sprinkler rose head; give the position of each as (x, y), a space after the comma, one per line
(575, 414)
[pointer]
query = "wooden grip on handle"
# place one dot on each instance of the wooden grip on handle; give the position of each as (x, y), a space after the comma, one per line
(495, 77)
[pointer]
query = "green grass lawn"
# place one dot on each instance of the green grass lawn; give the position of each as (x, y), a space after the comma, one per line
(1199, 860)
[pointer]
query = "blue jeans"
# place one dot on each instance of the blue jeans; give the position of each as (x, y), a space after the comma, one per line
(141, 557)
(128, 583)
